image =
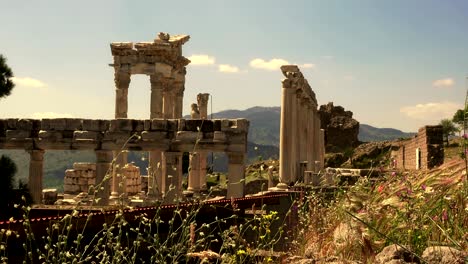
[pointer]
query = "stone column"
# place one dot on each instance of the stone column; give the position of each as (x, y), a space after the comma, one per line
(322, 148)
(36, 173)
(118, 177)
(286, 166)
(103, 174)
(156, 110)
(155, 168)
(172, 176)
(168, 103)
(179, 100)
(194, 182)
(202, 100)
(122, 81)
(304, 128)
(236, 175)
(309, 140)
(316, 141)
(194, 170)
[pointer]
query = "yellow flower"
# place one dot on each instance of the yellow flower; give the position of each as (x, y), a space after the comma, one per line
(241, 252)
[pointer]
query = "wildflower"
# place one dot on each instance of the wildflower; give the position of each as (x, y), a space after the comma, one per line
(380, 188)
(444, 215)
(241, 252)
(393, 174)
(423, 187)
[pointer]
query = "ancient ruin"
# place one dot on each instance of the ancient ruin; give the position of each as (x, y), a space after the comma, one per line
(424, 151)
(341, 129)
(165, 135)
(301, 139)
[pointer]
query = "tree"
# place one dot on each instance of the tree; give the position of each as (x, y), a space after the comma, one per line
(459, 116)
(7, 172)
(448, 129)
(6, 84)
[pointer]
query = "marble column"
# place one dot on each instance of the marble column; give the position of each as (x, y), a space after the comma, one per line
(309, 140)
(286, 166)
(322, 148)
(202, 101)
(178, 100)
(172, 176)
(118, 178)
(236, 175)
(194, 182)
(36, 173)
(122, 82)
(194, 170)
(156, 110)
(168, 103)
(103, 174)
(316, 141)
(155, 168)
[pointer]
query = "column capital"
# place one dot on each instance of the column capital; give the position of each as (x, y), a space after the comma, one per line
(202, 99)
(122, 79)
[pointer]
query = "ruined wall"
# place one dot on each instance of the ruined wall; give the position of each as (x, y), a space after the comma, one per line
(341, 130)
(428, 142)
(83, 175)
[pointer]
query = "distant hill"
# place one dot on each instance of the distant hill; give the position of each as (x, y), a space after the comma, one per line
(369, 133)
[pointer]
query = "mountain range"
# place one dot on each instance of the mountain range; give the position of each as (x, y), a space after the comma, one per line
(263, 142)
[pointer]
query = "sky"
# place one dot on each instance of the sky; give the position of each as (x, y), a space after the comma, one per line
(401, 64)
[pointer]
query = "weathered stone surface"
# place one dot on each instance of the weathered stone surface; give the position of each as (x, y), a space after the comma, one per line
(11, 134)
(153, 135)
(395, 254)
(91, 135)
(341, 130)
(444, 255)
(120, 125)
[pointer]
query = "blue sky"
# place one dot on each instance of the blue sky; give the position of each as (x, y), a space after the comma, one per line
(400, 63)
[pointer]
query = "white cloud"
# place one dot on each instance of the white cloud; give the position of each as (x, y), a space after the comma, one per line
(271, 65)
(349, 77)
(201, 59)
(447, 82)
(40, 115)
(227, 68)
(307, 66)
(29, 82)
(431, 111)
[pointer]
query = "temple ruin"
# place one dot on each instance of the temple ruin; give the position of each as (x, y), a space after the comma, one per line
(165, 135)
(302, 145)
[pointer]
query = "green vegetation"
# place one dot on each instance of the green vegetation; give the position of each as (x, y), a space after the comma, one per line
(6, 84)
(448, 128)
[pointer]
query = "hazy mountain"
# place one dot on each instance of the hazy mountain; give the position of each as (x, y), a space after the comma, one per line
(369, 133)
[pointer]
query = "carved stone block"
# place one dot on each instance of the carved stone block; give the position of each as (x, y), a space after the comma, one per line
(73, 124)
(189, 136)
(24, 124)
(121, 124)
(92, 135)
(12, 134)
(153, 135)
